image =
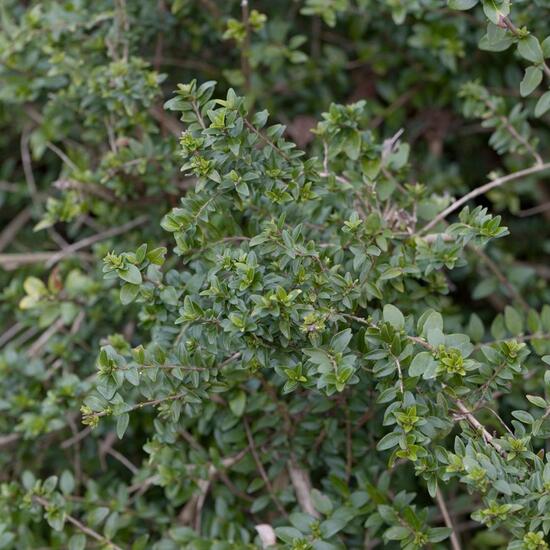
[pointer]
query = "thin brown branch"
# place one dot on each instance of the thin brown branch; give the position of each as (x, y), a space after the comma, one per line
(266, 140)
(13, 261)
(245, 50)
(474, 422)
(455, 541)
(539, 209)
(302, 486)
(89, 241)
(14, 226)
(79, 525)
(261, 469)
(482, 190)
(500, 276)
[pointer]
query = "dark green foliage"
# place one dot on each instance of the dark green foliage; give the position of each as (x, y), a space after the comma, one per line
(220, 329)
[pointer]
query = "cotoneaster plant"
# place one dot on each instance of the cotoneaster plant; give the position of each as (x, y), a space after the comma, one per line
(215, 339)
(308, 289)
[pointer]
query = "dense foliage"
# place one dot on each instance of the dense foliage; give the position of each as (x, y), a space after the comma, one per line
(325, 326)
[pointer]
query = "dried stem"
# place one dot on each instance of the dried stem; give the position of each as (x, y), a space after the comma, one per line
(79, 525)
(89, 241)
(455, 541)
(261, 469)
(482, 190)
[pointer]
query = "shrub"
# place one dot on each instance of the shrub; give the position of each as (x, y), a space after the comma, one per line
(215, 338)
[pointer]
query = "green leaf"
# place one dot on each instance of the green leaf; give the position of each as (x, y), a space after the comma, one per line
(331, 526)
(391, 273)
(388, 441)
(66, 482)
(495, 9)
(537, 401)
(341, 340)
(321, 502)
(122, 424)
(128, 293)
(438, 534)
(237, 404)
(462, 4)
(531, 80)
(130, 274)
(50, 484)
(513, 320)
(288, 534)
(397, 532)
(423, 365)
(529, 48)
(543, 104)
(34, 287)
(523, 416)
(393, 316)
(77, 542)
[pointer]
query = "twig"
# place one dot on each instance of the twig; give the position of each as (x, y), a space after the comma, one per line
(88, 189)
(523, 338)
(266, 140)
(55, 149)
(474, 422)
(76, 438)
(302, 485)
(122, 459)
(455, 541)
(349, 444)
(35, 349)
(170, 123)
(267, 534)
(79, 525)
(27, 167)
(12, 261)
(261, 469)
(533, 211)
(484, 189)
(13, 227)
(507, 23)
(89, 241)
(500, 276)
(514, 133)
(10, 333)
(6, 440)
(245, 50)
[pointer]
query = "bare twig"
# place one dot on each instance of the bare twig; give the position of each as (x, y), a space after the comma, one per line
(266, 534)
(61, 154)
(79, 525)
(474, 422)
(261, 469)
(302, 486)
(482, 190)
(89, 241)
(39, 343)
(12, 261)
(245, 50)
(88, 189)
(539, 209)
(27, 167)
(500, 276)
(455, 541)
(8, 439)
(13, 227)
(9, 333)
(76, 438)
(170, 123)
(266, 140)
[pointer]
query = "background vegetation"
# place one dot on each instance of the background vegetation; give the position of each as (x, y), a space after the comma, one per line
(323, 327)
